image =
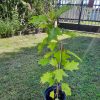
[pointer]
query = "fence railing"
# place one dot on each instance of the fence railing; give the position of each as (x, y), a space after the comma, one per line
(85, 12)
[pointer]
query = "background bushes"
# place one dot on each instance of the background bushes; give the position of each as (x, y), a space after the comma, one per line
(13, 11)
(8, 27)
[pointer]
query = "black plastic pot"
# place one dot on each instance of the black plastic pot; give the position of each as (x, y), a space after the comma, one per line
(53, 88)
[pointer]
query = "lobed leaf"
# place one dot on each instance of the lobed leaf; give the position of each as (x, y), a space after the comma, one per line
(61, 10)
(47, 55)
(61, 56)
(53, 62)
(47, 77)
(52, 94)
(53, 33)
(73, 54)
(39, 21)
(57, 55)
(71, 65)
(64, 55)
(52, 45)
(43, 61)
(59, 74)
(66, 89)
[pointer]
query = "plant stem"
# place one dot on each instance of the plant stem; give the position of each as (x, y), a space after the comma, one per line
(61, 48)
(59, 66)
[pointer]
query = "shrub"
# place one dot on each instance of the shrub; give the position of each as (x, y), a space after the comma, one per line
(9, 27)
(61, 59)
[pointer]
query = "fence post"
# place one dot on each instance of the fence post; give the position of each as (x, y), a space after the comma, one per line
(58, 6)
(80, 13)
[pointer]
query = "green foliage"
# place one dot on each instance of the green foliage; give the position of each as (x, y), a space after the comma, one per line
(58, 58)
(55, 13)
(9, 27)
(43, 62)
(52, 94)
(66, 89)
(57, 55)
(63, 55)
(53, 33)
(25, 9)
(25, 70)
(59, 74)
(21, 6)
(73, 54)
(53, 62)
(39, 21)
(71, 65)
(47, 77)
(48, 19)
(41, 6)
(47, 55)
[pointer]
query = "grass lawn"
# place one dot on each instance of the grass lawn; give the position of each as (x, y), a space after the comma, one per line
(20, 72)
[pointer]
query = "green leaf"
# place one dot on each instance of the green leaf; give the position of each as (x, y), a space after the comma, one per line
(53, 33)
(61, 56)
(47, 55)
(52, 94)
(66, 89)
(64, 55)
(47, 77)
(54, 14)
(71, 66)
(43, 25)
(43, 62)
(58, 31)
(53, 62)
(61, 10)
(41, 45)
(52, 45)
(43, 21)
(73, 54)
(57, 55)
(51, 15)
(33, 20)
(39, 21)
(59, 74)
(43, 18)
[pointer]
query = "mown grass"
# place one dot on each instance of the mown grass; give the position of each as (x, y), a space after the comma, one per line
(20, 72)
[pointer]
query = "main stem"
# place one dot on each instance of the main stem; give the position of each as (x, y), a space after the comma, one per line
(59, 65)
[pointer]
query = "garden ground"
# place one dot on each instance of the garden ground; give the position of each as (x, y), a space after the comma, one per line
(20, 72)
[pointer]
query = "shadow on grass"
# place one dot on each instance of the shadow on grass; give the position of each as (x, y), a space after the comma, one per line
(20, 72)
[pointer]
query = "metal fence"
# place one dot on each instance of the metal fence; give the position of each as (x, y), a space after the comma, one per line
(82, 12)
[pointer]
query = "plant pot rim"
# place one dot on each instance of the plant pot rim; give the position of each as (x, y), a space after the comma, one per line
(49, 89)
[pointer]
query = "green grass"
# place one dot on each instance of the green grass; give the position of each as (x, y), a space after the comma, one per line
(90, 23)
(20, 72)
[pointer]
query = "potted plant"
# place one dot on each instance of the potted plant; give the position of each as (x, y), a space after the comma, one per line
(57, 57)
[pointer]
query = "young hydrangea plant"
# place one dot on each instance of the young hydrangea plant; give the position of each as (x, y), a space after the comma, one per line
(60, 58)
